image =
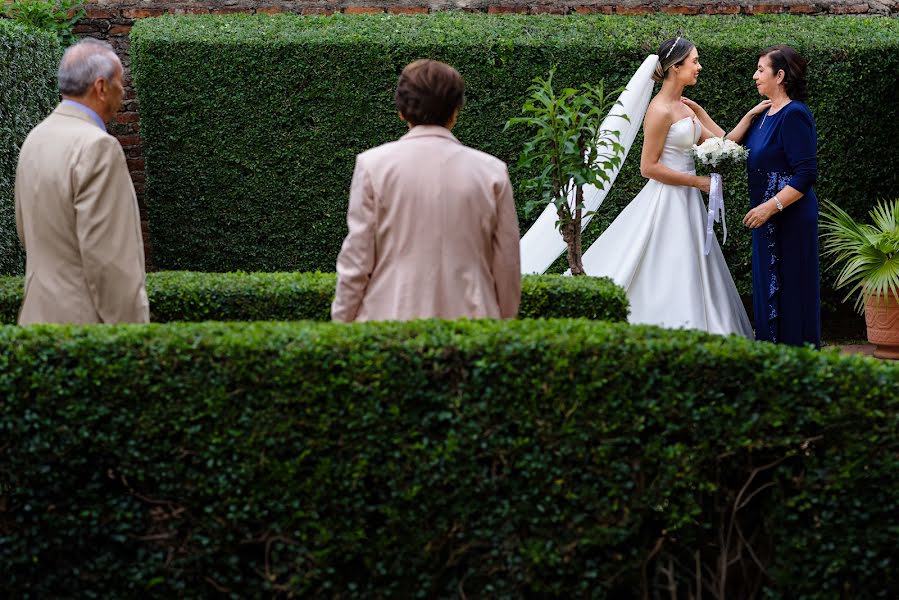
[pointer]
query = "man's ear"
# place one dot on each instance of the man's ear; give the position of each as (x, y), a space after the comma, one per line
(100, 87)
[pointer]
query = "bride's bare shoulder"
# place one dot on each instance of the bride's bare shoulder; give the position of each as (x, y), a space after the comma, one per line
(658, 114)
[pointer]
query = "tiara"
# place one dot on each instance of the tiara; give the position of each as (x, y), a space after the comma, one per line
(671, 49)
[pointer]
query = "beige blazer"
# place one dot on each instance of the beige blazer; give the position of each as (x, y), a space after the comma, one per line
(432, 234)
(77, 218)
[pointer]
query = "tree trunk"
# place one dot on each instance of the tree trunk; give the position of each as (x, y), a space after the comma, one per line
(573, 235)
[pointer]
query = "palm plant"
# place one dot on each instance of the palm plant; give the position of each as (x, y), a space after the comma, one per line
(868, 255)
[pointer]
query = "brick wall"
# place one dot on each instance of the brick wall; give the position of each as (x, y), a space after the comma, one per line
(112, 21)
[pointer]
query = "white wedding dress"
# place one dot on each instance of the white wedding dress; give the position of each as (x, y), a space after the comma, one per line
(654, 250)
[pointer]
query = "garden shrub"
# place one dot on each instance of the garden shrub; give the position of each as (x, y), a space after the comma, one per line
(187, 296)
(28, 60)
(251, 123)
(564, 459)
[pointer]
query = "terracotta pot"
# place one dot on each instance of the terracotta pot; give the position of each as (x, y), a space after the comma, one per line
(882, 318)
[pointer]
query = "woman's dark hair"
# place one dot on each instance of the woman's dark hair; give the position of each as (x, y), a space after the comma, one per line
(429, 92)
(783, 58)
(672, 52)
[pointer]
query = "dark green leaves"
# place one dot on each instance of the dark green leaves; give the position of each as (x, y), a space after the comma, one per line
(564, 459)
(56, 16)
(28, 60)
(567, 149)
(251, 123)
(187, 296)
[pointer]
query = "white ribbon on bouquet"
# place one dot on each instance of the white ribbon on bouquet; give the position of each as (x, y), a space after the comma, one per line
(716, 212)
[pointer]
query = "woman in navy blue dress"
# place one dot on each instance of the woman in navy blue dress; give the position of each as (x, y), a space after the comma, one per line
(782, 164)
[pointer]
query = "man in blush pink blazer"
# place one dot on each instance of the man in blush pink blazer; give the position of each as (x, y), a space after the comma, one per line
(432, 226)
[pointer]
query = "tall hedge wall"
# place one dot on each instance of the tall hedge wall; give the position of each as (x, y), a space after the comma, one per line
(28, 61)
(562, 459)
(251, 123)
(186, 296)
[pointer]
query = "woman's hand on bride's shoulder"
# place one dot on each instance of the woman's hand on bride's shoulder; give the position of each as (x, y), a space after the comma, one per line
(703, 184)
(694, 106)
(759, 108)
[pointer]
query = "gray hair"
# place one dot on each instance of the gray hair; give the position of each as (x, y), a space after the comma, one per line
(84, 63)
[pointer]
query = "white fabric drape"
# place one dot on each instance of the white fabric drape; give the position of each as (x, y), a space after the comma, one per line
(543, 243)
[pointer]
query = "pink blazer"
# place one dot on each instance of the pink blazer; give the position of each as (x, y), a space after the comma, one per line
(432, 234)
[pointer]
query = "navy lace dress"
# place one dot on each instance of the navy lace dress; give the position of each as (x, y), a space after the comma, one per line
(786, 295)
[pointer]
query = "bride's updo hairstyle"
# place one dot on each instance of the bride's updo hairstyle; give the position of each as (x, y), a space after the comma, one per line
(672, 52)
(783, 58)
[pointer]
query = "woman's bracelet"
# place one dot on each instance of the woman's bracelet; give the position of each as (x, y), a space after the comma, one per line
(777, 203)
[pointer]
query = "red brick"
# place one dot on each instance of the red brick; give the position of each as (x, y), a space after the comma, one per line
(135, 164)
(100, 13)
(140, 13)
(586, 10)
(127, 117)
(83, 28)
(681, 10)
(129, 140)
(119, 30)
(549, 10)
(634, 10)
(270, 10)
(362, 10)
(318, 11)
(139, 188)
(721, 9)
(190, 10)
(763, 9)
(412, 10)
(133, 152)
(230, 10)
(851, 9)
(507, 10)
(802, 9)
(138, 177)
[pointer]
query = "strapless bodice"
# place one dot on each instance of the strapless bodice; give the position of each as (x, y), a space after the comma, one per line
(677, 153)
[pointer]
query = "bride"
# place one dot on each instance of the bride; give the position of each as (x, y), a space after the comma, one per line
(654, 249)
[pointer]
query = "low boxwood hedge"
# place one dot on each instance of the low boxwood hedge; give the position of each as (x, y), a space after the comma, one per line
(250, 124)
(28, 60)
(187, 296)
(564, 459)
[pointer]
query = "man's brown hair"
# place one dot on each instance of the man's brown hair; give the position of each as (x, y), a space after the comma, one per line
(429, 92)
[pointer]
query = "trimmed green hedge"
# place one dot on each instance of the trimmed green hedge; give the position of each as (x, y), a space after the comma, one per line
(28, 60)
(565, 459)
(251, 123)
(187, 296)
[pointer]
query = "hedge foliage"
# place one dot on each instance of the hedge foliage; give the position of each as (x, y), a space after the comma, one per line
(251, 123)
(187, 296)
(28, 60)
(565, 459)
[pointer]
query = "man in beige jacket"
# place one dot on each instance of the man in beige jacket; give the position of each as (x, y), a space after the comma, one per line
(76, 211)
(432, 226)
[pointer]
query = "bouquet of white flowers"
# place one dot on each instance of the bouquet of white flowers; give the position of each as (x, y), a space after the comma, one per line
(720, 151)
(719, 157)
